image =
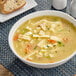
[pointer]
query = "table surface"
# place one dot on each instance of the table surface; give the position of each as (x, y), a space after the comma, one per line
(10, 61)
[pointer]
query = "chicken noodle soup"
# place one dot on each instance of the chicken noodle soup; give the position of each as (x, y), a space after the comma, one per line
(45, 39)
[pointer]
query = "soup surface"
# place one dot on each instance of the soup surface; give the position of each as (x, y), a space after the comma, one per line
(45, 39)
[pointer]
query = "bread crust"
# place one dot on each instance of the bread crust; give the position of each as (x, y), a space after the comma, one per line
(5, 12)
(4, 71)
(2, 2)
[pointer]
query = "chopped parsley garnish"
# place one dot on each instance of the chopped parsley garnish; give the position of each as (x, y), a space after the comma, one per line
(47, 46)
(60, 43)
(35, 47)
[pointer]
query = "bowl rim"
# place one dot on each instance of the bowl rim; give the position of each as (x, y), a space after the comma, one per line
(21, 19)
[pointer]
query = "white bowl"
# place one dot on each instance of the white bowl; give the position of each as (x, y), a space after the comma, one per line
(36, 14)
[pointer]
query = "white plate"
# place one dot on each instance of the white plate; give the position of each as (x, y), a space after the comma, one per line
(29, 4)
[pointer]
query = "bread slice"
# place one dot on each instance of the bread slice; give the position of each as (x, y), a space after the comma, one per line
(4, 71)
(2, 1)
(11, 5)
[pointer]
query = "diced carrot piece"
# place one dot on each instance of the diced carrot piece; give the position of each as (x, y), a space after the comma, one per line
(28, 59)
(51, 61)
(28, 48)
(15, 37)
(52, 41)
(65, 39)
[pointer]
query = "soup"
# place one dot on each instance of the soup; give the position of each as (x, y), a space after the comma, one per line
(45, 39)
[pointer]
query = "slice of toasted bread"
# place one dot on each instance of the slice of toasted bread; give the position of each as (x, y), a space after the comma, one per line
(4, 71)
(2, 1)
(11, 6)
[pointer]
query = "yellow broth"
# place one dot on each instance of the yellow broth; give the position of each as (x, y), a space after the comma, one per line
(45, 39)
